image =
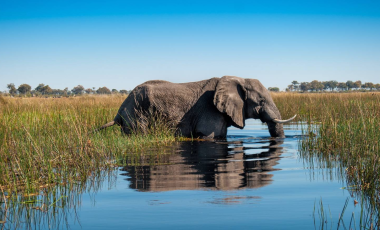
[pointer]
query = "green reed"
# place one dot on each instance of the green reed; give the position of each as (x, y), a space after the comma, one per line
(53, 205)
(47, 141)
(342, 131)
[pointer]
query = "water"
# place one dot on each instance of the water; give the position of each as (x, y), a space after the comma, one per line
(247, 182)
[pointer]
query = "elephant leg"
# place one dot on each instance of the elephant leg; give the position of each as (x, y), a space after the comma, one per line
(212, 127)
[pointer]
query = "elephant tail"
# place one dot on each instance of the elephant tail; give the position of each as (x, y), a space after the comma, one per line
(105, 126)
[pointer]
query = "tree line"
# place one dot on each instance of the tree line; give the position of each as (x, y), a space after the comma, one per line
(45, 90)
(295, 86)
(319, 86)
(332, 86)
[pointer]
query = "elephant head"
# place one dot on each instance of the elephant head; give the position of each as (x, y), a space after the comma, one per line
(242, 98)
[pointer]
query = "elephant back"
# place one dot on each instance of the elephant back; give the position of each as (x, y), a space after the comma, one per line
(176, 99)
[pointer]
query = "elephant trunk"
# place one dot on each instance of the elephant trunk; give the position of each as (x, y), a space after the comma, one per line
(276, 129)
(270, 114)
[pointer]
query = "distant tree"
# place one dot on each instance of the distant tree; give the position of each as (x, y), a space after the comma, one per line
(326, 85)
(66, 91)
(304, 86)
(342, 86)
(371, 86)
(115, 91)
(39, 88)
(290, 87)
(274, 89)
(12, 89)
(358, 84)
(89, 91)
(295, 84)
(368, 85)
(57, 92)
(377, 86)
(103, 90)
(350, 85)
(333, 84)
(316, 85)
(123, 91)
(329, 85)
(24, 89)
(46, 90)
(79, 89)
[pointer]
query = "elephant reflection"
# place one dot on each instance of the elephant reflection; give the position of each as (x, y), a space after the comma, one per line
(208, 165)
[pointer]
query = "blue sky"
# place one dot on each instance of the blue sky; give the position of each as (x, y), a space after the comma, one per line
(120, 44)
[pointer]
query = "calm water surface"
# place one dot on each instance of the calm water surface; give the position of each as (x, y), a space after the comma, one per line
(248, 182)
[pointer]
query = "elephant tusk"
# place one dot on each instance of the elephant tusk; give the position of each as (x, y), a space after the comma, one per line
(284, 121)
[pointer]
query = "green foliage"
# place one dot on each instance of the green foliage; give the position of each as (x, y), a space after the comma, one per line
(50, 140)
(295, 83)
(103, 90)
(350, 84)
(24, 89)
(39, 87)
(368, 85)
(274, 89)
(79, 89)
(123, 91)
(12, 88)
(343, 131)
(89, 91)
(331, 85)
(305, 86)
(316, 86)
(46, 91)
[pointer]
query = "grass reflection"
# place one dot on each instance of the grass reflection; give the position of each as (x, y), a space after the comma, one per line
(52, 206)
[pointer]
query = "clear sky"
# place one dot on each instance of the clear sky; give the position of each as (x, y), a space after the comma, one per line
(120, 44)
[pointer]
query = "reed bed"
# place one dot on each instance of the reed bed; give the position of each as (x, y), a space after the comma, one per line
(47, 144)
(49, 141)
(342, 131)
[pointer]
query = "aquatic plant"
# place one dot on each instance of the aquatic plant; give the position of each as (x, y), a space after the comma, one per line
(49, 142)
(343, 132)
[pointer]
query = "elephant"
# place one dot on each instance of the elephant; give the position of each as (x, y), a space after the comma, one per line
(202, 109)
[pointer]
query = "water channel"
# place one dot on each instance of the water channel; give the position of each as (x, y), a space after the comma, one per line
(246, 182)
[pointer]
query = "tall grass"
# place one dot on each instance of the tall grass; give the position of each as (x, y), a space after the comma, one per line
(50, 141)
(343, 131)
(46, 143)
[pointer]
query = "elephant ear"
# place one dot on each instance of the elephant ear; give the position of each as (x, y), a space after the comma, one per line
(229, 98)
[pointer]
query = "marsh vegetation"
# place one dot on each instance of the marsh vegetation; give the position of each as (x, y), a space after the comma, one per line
(343, 131)
(48, 153)
(49, 142)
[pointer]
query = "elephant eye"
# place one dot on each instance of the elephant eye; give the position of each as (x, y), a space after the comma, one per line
(262, 101)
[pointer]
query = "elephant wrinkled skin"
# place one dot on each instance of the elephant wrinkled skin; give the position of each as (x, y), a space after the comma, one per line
(202, 109)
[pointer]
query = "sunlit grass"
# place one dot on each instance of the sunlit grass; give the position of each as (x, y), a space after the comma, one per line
(343, 131)
(48, 143)
(50, 140)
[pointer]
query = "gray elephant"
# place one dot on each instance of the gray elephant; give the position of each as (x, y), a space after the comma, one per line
(202, 109)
